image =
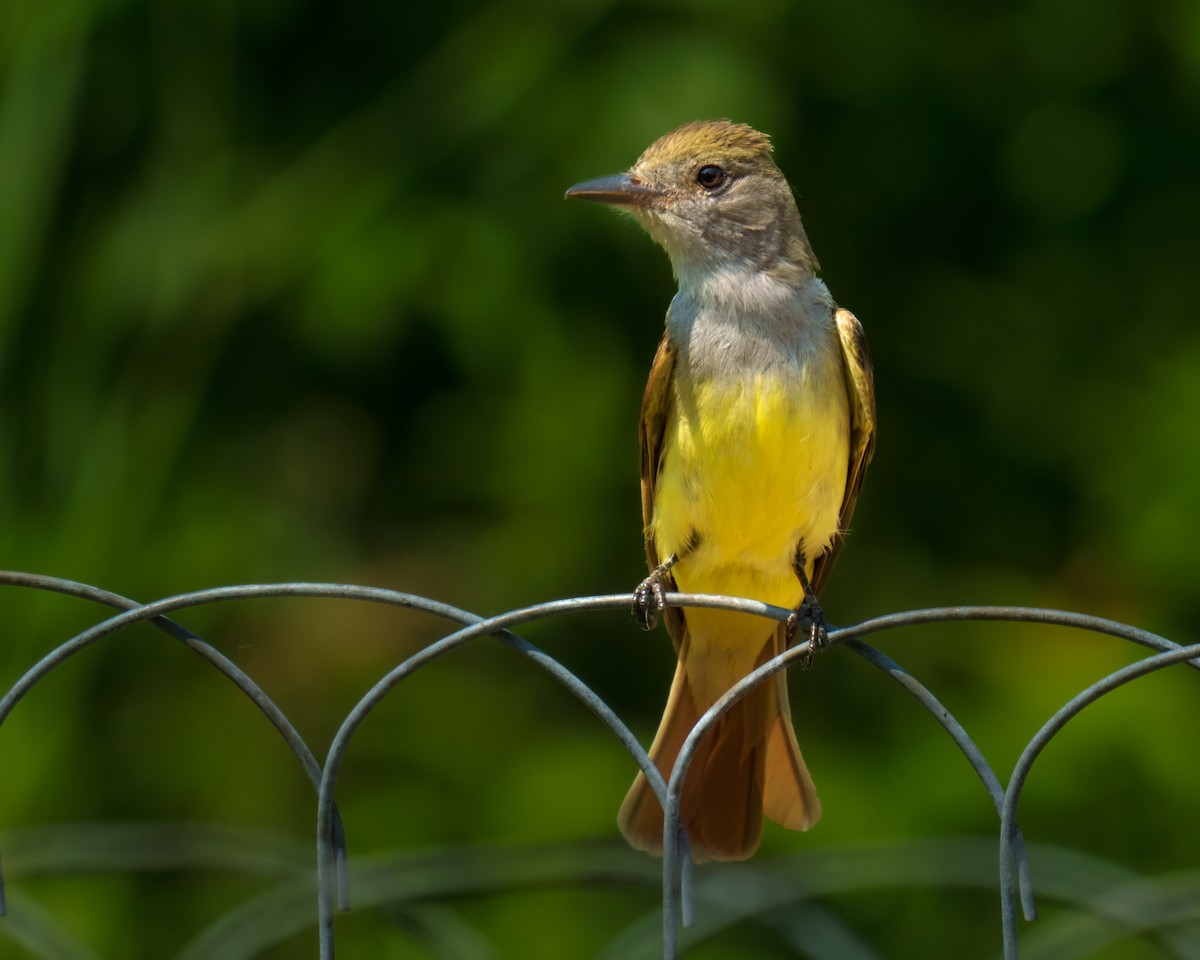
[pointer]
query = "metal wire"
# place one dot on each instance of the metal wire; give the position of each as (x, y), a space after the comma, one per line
(1033, 750)
(332, 884)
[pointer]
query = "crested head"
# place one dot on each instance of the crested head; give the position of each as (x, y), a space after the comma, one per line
(735, 142)
(711, 195)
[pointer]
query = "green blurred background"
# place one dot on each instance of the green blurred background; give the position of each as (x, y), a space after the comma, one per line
(288, 291)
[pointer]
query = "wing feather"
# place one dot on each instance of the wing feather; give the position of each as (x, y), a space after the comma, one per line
(657, 405)
(860, 386)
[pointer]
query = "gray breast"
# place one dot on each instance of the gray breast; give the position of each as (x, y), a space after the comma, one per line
(722, 340)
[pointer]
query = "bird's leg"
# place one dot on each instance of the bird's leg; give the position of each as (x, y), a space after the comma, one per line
(808, 616)
(649, 598)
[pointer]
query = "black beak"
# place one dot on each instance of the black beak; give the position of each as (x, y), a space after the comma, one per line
(620, 189)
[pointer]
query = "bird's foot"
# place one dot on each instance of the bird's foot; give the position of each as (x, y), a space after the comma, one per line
(649, 599)
(807, 622)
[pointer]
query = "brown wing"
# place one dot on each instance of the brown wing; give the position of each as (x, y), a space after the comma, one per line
(860, 386)
(656, 409)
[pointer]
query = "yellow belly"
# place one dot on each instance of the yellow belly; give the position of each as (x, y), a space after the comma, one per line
(754, 467)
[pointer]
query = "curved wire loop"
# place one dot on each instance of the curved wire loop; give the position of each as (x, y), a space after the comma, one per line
(492, 626)
(1034, 748)
(277, 718)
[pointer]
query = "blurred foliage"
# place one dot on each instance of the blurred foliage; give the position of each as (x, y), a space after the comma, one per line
(288, 292)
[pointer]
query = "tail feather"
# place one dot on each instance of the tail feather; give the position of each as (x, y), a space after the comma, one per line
(641, 815)
(789, 795)
(748, 764)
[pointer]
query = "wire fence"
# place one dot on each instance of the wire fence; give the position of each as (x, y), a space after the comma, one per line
(333, 893)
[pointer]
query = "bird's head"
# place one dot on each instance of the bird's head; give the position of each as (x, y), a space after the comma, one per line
(712, 196)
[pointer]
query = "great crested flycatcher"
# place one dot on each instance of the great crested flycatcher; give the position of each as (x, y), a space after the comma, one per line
(757, 425)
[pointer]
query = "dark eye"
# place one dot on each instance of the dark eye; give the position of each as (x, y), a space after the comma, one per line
(710, 176)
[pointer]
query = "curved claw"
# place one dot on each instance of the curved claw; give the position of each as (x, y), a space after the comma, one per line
(649, 600)
(809, 618)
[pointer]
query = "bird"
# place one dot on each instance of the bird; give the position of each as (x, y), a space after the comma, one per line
(757, 425)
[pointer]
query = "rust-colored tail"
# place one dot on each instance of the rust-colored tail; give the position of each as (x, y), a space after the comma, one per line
(747, 766)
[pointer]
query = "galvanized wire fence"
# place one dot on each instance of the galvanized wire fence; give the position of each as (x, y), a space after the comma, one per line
(333, 891)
